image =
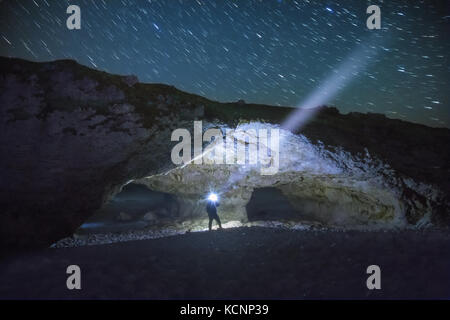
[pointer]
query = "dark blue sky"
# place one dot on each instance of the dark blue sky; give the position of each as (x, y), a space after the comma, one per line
(272, 51)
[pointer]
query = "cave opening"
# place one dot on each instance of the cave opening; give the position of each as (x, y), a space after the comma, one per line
(270, 204)
(135, 207)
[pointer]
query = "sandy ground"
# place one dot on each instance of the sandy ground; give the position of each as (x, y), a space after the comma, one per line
(240, 263)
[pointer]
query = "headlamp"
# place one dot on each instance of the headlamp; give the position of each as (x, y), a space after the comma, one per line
(213, 197)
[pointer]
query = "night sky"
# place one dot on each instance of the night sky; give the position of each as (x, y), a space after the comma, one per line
(272, 51)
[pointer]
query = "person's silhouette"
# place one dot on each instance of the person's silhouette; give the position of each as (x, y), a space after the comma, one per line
(211, 208)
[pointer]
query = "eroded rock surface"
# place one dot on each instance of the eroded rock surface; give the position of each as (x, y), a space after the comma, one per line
(71, 137)
(334, 188)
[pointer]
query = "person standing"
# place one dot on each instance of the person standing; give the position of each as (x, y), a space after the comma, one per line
(211, 208)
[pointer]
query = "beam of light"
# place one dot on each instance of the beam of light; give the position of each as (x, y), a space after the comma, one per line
(203, 154)
(347, 71)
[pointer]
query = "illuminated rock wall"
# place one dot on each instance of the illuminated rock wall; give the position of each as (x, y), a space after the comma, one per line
(71, 137)
(336, 189)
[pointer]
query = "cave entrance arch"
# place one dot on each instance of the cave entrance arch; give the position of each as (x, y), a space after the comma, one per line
(270, 204)
(134, 207)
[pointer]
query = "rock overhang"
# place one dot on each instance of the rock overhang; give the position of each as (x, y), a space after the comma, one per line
(69, 150)
(335, 188)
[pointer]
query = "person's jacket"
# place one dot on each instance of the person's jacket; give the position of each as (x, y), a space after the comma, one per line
(211, 208)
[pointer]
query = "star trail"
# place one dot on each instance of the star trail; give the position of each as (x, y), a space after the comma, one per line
(272, 52)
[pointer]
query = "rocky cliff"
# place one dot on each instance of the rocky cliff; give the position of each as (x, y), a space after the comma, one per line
(71, 137)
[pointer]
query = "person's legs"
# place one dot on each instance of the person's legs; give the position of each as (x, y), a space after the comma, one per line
(210, 223)
(218, 221)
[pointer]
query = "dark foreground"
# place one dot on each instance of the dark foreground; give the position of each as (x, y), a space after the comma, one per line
(240, 263)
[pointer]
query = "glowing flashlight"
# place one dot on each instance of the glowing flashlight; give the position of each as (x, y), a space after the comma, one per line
(212, 197)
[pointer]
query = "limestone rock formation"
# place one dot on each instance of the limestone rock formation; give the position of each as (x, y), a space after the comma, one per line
(71, 137)
(333, 188)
